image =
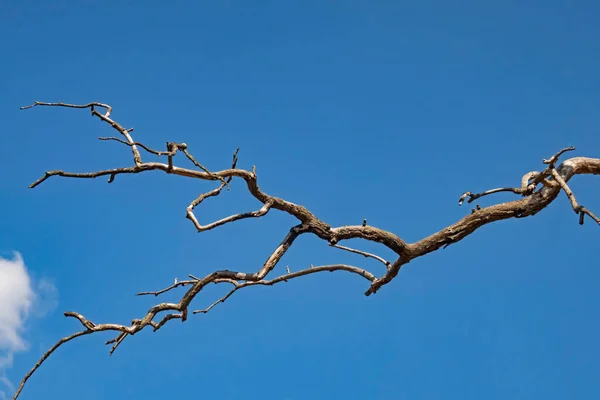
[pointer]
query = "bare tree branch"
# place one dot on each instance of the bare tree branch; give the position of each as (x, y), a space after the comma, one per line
(537, 190)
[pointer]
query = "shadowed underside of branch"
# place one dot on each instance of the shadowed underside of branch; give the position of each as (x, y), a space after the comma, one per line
(537, 190)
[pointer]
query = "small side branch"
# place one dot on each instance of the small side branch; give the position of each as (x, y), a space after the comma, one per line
(143, 146)
(362, 253)
(529, 181)
(60, 104)
(291, 275)
(173, 286)
(552, 160)
(137, 158)
(232, 218)
(577, 208)
(215, 192)
(527, 188)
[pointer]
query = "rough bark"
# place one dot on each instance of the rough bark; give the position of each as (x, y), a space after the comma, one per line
(537, 190)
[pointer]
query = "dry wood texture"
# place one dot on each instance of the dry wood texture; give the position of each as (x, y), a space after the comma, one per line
(537, 190)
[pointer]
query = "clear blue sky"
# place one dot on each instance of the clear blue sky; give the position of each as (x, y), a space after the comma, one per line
(356, 109)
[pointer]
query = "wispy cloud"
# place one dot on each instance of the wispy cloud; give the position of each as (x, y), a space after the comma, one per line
(20, 298)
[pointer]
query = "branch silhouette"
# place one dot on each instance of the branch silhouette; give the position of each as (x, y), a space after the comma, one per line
(537, 190)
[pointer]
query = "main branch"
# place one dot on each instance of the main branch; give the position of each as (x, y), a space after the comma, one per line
(537, 190)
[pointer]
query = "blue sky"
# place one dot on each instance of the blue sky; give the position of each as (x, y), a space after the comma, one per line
(381, 110)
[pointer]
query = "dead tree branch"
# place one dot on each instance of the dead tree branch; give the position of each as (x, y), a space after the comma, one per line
(537, 190)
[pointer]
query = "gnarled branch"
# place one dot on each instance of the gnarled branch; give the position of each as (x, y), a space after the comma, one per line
(537, 190)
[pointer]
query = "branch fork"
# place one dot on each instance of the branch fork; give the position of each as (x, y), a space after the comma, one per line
(537, 190)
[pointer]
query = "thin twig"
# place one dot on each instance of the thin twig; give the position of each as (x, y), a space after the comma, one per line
(143, 146)
(363, 253)
(552, 160)
(173, 286)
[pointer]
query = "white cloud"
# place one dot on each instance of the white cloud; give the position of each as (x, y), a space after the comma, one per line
(20, 299)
